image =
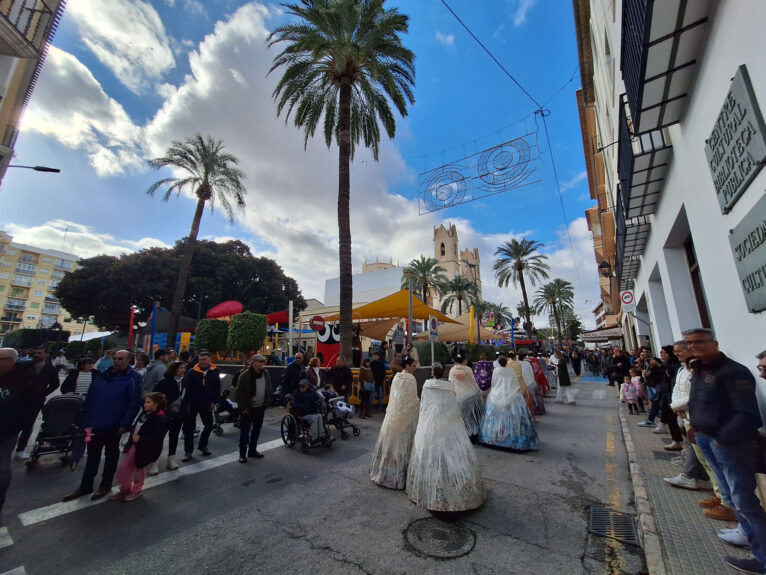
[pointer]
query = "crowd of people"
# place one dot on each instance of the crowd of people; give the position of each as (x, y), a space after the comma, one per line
(707, 403)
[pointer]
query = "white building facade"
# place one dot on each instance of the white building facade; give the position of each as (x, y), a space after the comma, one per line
(678, 90)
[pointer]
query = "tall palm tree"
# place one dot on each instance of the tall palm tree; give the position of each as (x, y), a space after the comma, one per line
(517, 259)
(458, 289)
(503, 314)
(425, 273)
(554, 297)
(344, 62)
(211, 174)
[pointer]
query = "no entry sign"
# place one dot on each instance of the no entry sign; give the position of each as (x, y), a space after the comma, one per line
(628, 300)
(317, 323)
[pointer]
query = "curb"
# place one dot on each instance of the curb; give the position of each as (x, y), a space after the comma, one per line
(655, 562)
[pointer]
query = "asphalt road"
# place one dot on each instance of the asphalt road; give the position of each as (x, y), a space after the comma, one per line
(319, 513)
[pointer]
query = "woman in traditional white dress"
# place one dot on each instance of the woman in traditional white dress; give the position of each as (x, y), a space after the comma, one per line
(528, 373)
(391, 455)
(469, 398)
(444, 473)
(507, 420)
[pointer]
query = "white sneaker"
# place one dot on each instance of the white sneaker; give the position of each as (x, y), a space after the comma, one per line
(660, 429)
(734, 537)
(172, 465)
(154, 469)
(22, 455)
(684, 482)
(646, 423)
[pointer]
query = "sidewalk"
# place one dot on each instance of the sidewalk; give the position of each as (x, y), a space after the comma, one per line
(688, 539)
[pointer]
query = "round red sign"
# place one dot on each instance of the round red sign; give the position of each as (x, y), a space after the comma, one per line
(317, 322)
(627, 297)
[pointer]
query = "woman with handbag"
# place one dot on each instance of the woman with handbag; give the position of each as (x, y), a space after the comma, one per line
(170, 385)
(366, 387)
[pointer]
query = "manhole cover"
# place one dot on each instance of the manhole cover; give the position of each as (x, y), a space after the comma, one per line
(613, 524)
(437, 538)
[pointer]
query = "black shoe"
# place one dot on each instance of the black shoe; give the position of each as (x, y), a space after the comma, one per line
(243, 459)
(77, 493)
(101, 493)
(255, 454)
(204, 451)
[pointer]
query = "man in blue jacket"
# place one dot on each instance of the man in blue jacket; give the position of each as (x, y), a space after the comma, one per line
(202, 389)
(111, 406)
(725, 421)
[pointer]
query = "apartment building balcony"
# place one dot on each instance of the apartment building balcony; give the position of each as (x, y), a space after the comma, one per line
(21, 281)
(24, 27)
(10, 319)
(632, 234)
(661, 41)
(15, 305)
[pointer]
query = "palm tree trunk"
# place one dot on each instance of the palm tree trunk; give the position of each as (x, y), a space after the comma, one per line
(183, 276)
(558, 321)
(344, 222)
(528, 325)
(459, 306)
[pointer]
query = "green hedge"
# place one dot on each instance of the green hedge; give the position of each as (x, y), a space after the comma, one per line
(441, 352)
(211, 334)
(29, 338)
(247, 331)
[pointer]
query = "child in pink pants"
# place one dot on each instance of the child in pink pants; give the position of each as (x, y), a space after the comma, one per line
(144, 447)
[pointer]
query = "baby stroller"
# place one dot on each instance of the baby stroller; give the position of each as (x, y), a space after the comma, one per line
(59, 430)
(338, 414)
(226, 411)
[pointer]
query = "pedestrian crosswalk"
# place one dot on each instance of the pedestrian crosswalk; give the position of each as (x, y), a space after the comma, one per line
(5, 538)
(17, 571)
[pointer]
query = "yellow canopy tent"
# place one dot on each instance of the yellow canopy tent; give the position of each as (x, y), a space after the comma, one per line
(396, 306)
(460, 330)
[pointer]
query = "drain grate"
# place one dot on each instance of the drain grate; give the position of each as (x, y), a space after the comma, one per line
(437, 538)
(613, 524)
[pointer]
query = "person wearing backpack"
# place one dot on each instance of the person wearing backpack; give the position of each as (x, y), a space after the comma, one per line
(253, 396)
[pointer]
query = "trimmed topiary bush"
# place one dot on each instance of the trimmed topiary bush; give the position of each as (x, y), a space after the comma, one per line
(247, 332)
(211, 334)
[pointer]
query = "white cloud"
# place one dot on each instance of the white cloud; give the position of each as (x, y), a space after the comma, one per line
(520, 9)
(292, 192)
(90, 120)
(127, 36)
(574, 182)
(72, 237)
(446, 39)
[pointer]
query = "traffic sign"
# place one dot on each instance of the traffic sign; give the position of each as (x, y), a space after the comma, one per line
(433, 328)
(317, 323)
(628, 301)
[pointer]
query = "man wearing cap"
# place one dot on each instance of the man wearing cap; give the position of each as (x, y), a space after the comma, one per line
(253, 396)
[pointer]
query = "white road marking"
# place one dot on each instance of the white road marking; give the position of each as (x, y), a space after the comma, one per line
(62, 508)
(5, 538)
(17, 571)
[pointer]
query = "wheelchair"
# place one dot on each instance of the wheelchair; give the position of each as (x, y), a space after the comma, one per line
(295, 429)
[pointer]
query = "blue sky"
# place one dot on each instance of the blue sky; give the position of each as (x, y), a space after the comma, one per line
(113, 95)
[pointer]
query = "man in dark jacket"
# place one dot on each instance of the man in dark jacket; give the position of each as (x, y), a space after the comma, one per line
(293, 373)
(110, 407)
(341, 377)
(45, 380)
(306, 403)
(725, 421)
(378, 369)
(202, 386)
(14, 398)
(253, 396)
(155, 371)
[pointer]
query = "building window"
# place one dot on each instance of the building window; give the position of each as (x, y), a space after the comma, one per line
(57, 274)
(15, 304)
(65, 265)
(696, 277)
(21, 281)
(28, 258)
(442, 249)
(26, 269)
(4, 276)
(35, 305)
(52, 308)
(31, 317)
(44, 270)
(41, 282)
(47, 261)
(38, 293)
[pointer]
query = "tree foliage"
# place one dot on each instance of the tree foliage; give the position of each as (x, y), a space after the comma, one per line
(211, 174)
(343, 65)
(554, 297)
(247, 332)
(519, 262)
(458, 290)
(105, 286)
(427, 275)
(212, 335)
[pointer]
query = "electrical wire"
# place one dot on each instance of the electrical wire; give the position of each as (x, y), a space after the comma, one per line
(542, 112)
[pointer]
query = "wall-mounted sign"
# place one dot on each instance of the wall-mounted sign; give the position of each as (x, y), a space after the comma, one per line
(628, 301)
(736, 148)
(748, 242)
